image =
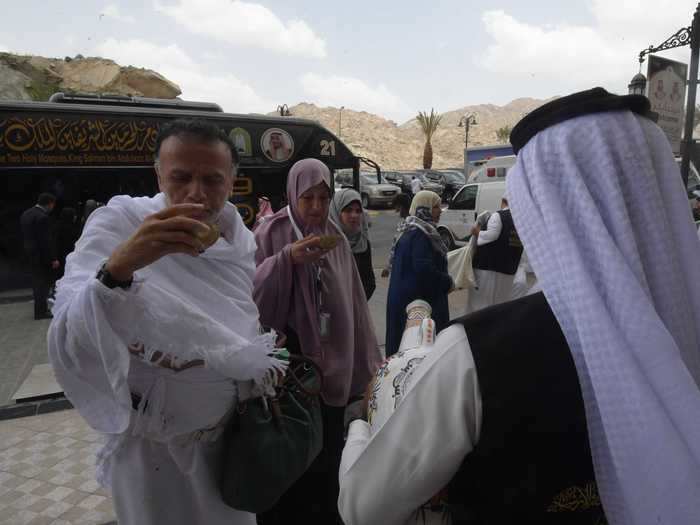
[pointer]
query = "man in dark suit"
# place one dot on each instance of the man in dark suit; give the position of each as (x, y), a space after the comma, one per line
(40, 251)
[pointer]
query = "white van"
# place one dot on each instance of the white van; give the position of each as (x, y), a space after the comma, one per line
(495, 169)
(457, 220)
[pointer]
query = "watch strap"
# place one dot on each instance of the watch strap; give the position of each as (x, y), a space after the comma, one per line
(106, 278)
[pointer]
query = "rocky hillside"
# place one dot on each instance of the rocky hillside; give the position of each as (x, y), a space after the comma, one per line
(36, 78)
(401, 146)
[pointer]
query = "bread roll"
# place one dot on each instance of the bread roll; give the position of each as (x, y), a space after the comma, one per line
(328, 242)
(211, 236)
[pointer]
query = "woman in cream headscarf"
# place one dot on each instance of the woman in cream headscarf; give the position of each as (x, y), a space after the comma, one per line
(419, 269)
(347, 213)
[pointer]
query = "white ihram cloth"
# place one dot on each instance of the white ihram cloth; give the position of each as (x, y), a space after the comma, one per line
(187, 307)
(424, 419)
(601, 210)
(489, 287)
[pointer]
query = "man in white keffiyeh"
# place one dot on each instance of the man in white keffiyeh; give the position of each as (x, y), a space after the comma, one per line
(540, 409)
(600, 208)
(153, 322)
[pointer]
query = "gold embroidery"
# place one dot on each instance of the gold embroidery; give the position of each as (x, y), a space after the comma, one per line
(575, 498)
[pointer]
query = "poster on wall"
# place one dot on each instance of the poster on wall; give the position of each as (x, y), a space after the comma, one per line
(666, 91)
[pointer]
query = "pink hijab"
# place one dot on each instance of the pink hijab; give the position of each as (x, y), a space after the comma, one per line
(286, 294)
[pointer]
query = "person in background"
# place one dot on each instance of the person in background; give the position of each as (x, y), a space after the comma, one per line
(264, 210)
(307, 288)
(419, 270)
(498, 253)
(416, 185)
(346, 212)
(67, 233)
(90, 206)
(402, 205)
(40, 249)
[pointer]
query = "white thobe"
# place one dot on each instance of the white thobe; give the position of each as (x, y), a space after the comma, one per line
(425, 413)
(490, 287)
(416, 186)
(160, 459)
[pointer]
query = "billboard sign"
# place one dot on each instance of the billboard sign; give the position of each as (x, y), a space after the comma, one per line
(666, 92)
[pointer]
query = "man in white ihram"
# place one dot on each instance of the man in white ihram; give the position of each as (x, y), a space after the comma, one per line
(153, 322)
(579, 404)
(416, 185)
(496, 260)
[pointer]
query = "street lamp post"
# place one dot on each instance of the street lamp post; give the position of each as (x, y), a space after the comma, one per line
(685, 36)
(340, 121)
(464, 122)
(692, 91)
(284, 110)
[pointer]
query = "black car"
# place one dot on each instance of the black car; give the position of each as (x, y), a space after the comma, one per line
(400, 179)
(451, 180)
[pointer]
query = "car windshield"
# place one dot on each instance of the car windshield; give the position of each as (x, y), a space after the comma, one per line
(453, 176)
(370, 178)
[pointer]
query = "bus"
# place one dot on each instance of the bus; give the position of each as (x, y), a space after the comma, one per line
(82, 147)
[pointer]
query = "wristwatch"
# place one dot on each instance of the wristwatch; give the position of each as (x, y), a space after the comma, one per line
(106, 278)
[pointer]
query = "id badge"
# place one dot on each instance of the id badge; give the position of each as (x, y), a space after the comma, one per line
(324, 326)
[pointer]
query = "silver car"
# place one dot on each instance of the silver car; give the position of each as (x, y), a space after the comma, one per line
(373, 193)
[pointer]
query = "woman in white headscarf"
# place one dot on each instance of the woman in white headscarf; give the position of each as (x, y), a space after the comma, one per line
(347, 213)
(419, 269)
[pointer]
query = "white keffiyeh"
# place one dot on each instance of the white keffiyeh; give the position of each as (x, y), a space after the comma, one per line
(600, 208)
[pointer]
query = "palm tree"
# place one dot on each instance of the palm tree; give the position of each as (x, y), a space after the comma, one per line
(503, 134)
(428, 124)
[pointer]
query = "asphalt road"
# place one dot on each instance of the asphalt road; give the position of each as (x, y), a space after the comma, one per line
(381, 234)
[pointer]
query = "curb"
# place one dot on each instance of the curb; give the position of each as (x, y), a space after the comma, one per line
(16, 299)
(34, 407)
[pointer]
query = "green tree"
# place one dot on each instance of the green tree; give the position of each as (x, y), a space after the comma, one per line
(428, 124)
(503, 134)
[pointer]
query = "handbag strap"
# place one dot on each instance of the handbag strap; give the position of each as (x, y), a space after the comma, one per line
(309, 364)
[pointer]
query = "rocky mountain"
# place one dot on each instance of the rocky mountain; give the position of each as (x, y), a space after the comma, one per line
(36, 78)
(401, 146)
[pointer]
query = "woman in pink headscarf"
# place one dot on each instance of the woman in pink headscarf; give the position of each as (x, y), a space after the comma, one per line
(314, 296)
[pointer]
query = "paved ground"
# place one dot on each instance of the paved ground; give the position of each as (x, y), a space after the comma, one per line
(22, 345)
(46, 472)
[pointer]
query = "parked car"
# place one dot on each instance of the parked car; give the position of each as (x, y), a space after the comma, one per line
(451, 180)
(398, 178)
(457, 220)
(403, 180)
(495, 169)
(372, 192)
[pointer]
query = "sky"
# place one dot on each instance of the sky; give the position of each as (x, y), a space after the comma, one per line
(389, 57)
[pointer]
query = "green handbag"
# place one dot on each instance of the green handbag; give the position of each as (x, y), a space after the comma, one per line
(270, 442)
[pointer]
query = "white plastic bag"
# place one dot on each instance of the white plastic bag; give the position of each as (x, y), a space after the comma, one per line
(459, 266)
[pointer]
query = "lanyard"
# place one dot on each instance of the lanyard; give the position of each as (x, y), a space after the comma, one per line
(317, 268)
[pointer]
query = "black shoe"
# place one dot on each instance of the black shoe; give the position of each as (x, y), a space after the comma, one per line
(45, 316)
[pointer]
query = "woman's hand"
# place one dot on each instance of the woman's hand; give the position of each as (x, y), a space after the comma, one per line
(308, 250)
